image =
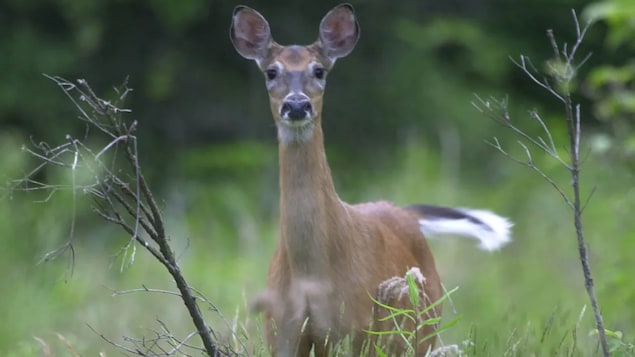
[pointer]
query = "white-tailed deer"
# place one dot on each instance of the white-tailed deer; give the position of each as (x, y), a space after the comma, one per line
(333, 257)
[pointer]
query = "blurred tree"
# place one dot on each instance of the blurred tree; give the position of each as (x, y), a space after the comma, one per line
(612, 86)
(411, 77)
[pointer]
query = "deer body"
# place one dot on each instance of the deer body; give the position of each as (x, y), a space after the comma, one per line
(333, 257)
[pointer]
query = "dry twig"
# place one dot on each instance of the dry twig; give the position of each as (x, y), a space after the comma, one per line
(122, 196)
(561, 71)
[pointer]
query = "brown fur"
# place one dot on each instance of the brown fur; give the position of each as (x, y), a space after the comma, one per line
(331, 257)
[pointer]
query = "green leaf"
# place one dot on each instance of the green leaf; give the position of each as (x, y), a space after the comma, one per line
(409, 314)
(379, 351)
(440, 301)
(390, 332)
(413, 290)
(442, 328)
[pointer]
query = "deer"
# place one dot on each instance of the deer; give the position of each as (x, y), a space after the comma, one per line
(334, 261)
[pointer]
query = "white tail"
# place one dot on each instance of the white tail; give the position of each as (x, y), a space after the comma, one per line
(490, 229)
(333, 257)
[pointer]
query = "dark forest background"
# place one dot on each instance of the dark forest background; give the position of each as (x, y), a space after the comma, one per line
(399, 125)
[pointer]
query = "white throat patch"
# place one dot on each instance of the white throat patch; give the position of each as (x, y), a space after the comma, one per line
(290, 132)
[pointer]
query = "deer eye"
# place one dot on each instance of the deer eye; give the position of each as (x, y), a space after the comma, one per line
(318, 72)
(271, 73)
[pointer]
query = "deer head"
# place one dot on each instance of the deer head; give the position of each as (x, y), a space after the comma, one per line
(295, 75)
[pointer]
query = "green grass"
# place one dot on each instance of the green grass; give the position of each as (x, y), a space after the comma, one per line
(526, 300)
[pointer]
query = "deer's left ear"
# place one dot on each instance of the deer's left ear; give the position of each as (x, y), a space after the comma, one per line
(250, 33)
(339, 31)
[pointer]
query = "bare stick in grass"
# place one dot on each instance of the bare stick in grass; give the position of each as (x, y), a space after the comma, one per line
(121, 196)
(561, 72)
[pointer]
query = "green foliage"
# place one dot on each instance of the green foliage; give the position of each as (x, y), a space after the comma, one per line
(615, 105)
(415, 314)
(506, 302)
(444, 44)
(417, 64)
(400, 128)
(618, 346)
(447, 41)
(618, 15)
(612, 86)
(242, 158)
(179, 17)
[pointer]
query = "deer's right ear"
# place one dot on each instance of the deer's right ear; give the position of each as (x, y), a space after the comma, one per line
(339, 31)
(250, 33)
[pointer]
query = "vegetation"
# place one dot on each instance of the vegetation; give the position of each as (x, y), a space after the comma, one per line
(205, 141)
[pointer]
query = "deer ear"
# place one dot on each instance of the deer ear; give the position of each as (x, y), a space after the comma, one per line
(250, 33)
(339, 31)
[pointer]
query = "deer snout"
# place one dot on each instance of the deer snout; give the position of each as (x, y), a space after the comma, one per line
(296, 107)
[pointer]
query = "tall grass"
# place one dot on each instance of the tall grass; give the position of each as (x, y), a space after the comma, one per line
(527, 299)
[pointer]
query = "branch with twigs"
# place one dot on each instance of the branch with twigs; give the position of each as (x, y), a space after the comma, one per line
(561, 71)
(122, 196)
(163, 343)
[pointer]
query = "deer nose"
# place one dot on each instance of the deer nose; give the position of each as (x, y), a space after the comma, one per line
(296, 107)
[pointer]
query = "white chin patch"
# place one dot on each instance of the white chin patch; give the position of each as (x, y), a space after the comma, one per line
(296, 123)
(295, 130)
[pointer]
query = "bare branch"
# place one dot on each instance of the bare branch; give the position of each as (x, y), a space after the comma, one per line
(501, 115)
(530, 164)
(551, 148)
(144, 289)
(588, 199)
(562, 72)
(119, 346)
(542, 83)
(107, 147)
(581, 33)
(121, 196)
(554, 44)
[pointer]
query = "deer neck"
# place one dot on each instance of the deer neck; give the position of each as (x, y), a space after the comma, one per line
(312, 217)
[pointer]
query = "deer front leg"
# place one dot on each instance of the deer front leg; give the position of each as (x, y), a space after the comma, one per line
(284, 323)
